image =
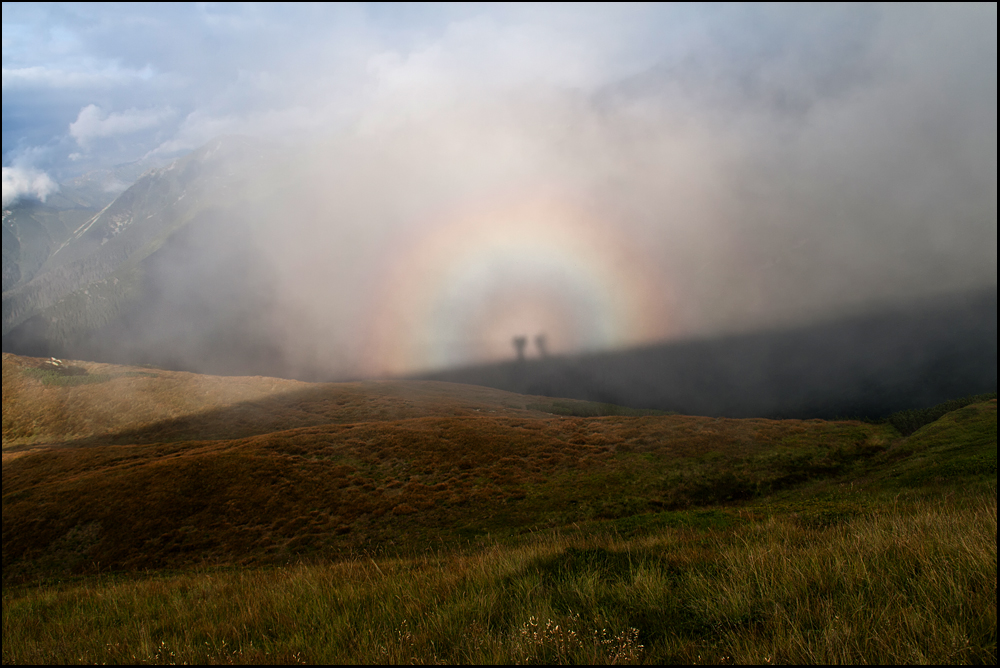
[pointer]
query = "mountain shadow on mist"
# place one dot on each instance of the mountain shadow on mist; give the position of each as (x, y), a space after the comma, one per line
(865, 366)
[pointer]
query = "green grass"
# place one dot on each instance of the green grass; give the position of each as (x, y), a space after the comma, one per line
(907, 422)
(436, 523)
(55, 377)
(915, 585)
(960, 445)
(71, 376)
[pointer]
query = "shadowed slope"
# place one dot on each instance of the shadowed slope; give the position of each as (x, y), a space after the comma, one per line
(99, 404)
(869, 365)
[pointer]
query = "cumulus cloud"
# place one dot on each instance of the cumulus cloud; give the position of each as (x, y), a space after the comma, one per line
(19, 182)
(93, 122)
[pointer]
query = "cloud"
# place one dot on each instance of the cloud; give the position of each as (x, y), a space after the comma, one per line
(38, 76)
(93, 122)
(773, 164)
(19, 182)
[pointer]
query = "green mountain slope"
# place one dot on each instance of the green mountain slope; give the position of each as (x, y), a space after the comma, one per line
(95, 271)
(32, 231)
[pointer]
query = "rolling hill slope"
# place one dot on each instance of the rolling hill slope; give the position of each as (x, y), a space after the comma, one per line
(90, 403)
(116, 467)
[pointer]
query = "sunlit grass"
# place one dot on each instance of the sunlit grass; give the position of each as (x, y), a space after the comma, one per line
(327, 490)
(910, 583)
(432, 523)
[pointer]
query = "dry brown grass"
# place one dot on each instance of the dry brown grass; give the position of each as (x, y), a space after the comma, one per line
(378, 473)
(431, 522)
(143, 405)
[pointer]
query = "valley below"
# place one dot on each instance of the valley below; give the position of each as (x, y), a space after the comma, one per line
(164, 517)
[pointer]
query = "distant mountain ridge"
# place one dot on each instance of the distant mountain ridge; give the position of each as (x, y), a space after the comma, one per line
(33, 230)
(92, 271)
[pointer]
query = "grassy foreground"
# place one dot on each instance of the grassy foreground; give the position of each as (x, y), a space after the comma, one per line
(429, 523)
(913, 585)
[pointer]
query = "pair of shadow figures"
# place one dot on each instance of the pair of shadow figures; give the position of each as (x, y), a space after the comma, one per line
(521, 343)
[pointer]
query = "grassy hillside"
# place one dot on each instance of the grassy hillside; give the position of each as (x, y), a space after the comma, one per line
(174, 517)
(914, 585)
(87, 403)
